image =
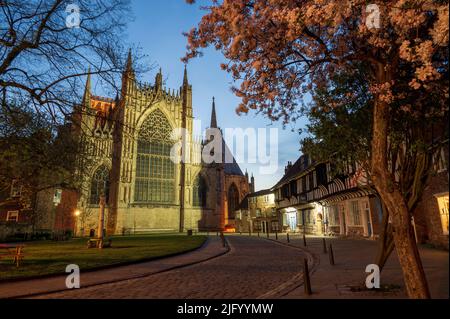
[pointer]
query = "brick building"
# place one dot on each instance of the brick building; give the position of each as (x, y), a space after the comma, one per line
(431, 216)
(257, 213)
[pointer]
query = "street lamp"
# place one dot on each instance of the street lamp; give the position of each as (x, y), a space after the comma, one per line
(76, 213)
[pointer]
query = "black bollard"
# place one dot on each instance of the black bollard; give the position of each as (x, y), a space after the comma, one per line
(223, 239)
(287, 237)
(324, 245)
(267, 233)
(258, 233)
(331, 255)
(276, 235)
(304, 240)
(306, 279)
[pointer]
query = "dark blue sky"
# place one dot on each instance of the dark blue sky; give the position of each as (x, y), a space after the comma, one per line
(158, 28)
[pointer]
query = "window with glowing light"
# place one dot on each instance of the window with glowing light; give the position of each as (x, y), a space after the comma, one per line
(356, 213)
(443, 203)
(155, 171)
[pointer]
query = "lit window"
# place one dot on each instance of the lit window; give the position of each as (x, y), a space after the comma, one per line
(12, 216)
(355, 213)
(155, 171)
(275, 226)
(443, 204)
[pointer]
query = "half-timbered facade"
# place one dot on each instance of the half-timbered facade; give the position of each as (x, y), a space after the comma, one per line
(313, 199)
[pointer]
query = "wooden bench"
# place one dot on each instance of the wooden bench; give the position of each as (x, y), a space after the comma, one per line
(12, 251)
(99, 243)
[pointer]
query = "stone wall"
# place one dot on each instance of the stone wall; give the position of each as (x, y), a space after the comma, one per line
(142, 219)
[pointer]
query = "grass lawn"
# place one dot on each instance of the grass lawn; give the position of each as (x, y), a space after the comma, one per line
(48, 257)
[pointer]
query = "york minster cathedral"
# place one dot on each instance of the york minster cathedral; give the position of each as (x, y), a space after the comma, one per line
(127, 142)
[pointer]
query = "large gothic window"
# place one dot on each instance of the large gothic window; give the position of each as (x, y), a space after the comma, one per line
(99, 185)
(199, 191)
(155, 171)
(233, 200)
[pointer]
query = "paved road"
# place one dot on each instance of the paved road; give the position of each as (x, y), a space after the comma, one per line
(252, 268)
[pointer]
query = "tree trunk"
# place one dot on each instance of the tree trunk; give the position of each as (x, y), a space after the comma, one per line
(386, 241)
(404, 239)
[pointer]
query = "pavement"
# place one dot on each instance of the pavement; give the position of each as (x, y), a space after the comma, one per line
(249, 268)
(351, 258)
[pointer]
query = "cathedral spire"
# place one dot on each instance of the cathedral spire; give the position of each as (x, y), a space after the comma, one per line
(87, 89)
(252, 184)
(213, 115)
(128, 76)
(158, 80)
(129, 65)
(185, 78)
(128, 73)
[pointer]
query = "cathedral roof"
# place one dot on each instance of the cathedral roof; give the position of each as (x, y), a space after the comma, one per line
(229, 168)
(233, 167)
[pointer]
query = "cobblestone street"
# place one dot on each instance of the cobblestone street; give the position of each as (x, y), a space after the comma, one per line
(251, 269)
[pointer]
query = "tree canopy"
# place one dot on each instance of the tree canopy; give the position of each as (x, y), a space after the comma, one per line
(48, 47)
(280, 51)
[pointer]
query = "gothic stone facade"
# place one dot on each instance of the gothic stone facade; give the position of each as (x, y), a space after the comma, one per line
(126, 154)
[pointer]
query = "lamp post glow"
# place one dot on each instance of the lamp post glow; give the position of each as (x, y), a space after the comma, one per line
(77, 214)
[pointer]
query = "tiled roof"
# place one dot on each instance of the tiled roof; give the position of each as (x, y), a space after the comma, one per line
(302, 164)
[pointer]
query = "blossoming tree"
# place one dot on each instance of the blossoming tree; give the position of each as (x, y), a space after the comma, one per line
(279, 50)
